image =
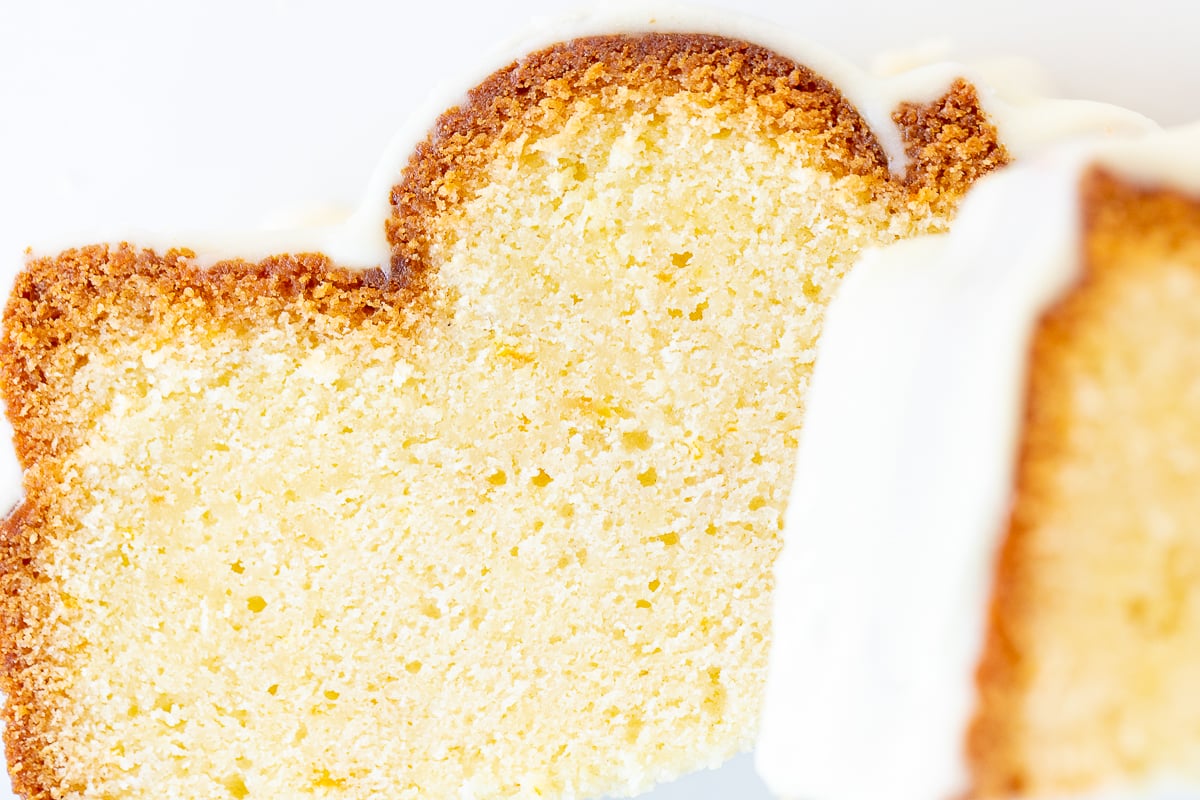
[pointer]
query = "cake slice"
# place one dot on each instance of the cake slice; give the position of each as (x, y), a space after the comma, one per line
(494, 518)
(1011, 608)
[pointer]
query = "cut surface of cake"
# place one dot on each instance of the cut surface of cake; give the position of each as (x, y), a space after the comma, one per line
(1013, 609)
(494, 519)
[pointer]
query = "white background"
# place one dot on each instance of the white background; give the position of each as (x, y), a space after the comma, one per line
(225, 115)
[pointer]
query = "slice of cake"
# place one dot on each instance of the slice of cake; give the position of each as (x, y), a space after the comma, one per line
(994, 541)
(494, 518)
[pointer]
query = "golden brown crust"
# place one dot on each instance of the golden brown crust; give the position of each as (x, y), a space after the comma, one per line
(950, 144)
(56, 301)
(1117, 216)
(26, 727)
(950, 141)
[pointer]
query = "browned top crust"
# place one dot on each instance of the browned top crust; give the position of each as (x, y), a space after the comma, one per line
(950, 144)
(55, 300)
(950, 141)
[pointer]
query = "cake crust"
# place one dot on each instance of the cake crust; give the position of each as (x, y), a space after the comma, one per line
(950, 142)
(57, 300)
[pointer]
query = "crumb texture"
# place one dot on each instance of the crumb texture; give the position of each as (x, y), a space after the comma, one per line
(499, 527)
(1088, 676)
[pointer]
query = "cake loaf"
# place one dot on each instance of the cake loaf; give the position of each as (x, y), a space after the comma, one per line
(1012, 607)
(492, 517)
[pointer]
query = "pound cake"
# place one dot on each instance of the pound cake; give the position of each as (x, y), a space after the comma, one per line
(492, 516)
(1011, 607)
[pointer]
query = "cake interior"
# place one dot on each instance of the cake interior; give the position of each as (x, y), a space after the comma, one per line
(298, 532)
(1089, 673)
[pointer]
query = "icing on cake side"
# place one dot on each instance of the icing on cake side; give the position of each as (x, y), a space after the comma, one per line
(904, 481)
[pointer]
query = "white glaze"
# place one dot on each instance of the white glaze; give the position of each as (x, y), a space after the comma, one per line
(904, 482)
(1025, 123)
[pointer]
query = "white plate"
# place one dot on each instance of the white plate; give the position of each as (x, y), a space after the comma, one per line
(224, 114)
